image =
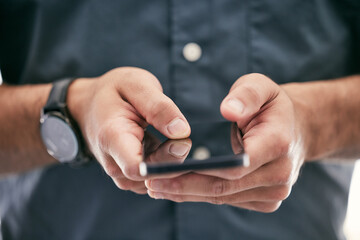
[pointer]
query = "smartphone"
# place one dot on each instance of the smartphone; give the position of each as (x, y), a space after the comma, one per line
(221, 145)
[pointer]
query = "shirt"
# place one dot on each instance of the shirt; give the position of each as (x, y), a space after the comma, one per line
(289, 41)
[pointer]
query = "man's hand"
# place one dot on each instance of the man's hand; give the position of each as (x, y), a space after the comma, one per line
(272, 135)
(112, 112)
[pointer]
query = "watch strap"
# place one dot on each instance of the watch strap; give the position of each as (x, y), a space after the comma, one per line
(57, 103)
(57, 96)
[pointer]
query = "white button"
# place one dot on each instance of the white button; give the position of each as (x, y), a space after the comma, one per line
(201, 153)
(192, 52)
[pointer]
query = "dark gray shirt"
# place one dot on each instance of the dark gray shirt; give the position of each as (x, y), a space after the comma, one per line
(290, 41)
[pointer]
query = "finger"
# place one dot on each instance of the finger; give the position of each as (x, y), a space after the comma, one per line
(237, 144)
(263, 144)
(142, 191)
(121, 139)
(126, 149)
(119, 136)
(203, 185)
(247, 96)
(109, 165)
(121, 131)
(158, 109)
(126, 184)
(171, 151)
(264, 207)
(262, 194)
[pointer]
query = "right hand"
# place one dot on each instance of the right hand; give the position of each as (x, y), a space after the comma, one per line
(112, 112)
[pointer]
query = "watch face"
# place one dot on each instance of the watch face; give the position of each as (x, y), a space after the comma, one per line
(59, 138)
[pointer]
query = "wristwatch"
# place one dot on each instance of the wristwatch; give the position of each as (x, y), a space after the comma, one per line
(59, 132)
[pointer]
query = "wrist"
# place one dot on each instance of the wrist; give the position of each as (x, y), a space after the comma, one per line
(330, 116)
(77, 99)
(303, 118)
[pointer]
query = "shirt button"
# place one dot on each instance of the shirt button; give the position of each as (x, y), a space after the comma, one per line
(192, 52)
(201, 153)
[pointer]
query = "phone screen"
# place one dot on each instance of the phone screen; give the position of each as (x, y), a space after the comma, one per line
(210, 146)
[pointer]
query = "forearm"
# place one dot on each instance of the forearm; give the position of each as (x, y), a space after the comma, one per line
(329, 113)
(21, 147)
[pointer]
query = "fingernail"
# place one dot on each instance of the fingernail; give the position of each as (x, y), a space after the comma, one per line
(179, 149)
(235, 105)
(177, 127)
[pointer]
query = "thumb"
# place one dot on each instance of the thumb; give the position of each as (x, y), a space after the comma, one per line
(157, 109)
(247, 97)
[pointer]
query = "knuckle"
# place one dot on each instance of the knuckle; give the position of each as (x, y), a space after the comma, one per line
(122, 184)
(129, 85)
(131, 73)
(109, 166)
(141, 191)
(283, 143)
(252, 94)
(217, 200)
(177, 186)
(219, 187)
(268, 207)
(258, 75)
(281, 193)
(130, 172)
(262, 78)
(113, 171)
(284, 177)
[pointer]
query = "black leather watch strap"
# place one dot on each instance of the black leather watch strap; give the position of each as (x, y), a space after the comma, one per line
(56, 106)
(57, 97)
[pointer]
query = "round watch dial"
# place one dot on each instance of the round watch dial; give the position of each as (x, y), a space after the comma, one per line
(59, 138)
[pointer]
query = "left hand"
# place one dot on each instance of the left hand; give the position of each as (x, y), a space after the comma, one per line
(272, 130)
